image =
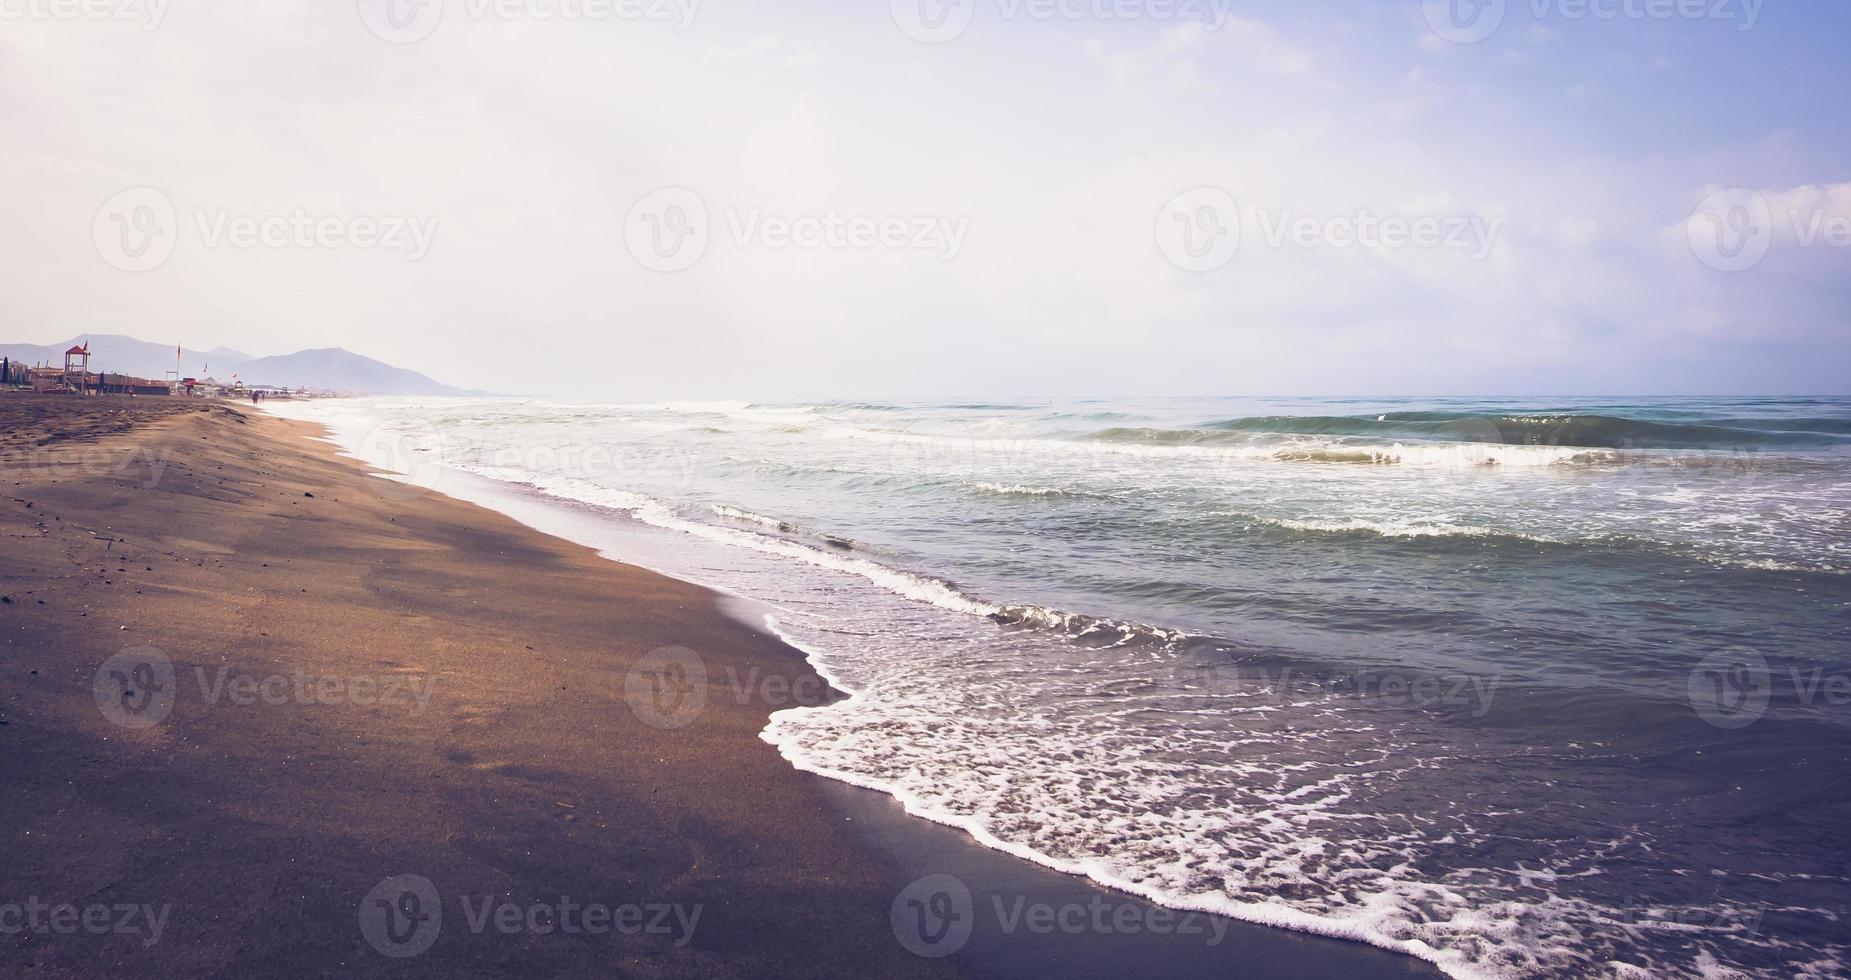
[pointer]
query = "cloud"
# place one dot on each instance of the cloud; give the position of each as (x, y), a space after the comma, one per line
(1059, 143)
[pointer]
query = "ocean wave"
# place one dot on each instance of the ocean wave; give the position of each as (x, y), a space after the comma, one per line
(921, 588)
(1022, 490)
(694, 408)
(848, 407)
(1081, 627)
(1393, 529)
(1454, 455)
(954, 450)
(1538, 429)
(735, 514)
(1414, 530)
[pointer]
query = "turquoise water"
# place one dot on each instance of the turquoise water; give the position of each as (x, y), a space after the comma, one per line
(1522, 687)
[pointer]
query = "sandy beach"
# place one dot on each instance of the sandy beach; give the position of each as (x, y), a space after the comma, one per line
(260, 712)
(505, 765)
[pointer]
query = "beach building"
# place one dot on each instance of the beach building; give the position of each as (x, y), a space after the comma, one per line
(77, 367)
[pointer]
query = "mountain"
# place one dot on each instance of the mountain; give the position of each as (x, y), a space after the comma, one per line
(343, 371)
(115, 353)
(326, 369)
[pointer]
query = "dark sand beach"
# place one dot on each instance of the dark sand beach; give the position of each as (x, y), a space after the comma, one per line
(368, 683)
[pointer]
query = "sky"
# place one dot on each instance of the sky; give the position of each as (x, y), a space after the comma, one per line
(800, 199)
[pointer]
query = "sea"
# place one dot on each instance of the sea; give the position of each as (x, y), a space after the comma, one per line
(1537, 687)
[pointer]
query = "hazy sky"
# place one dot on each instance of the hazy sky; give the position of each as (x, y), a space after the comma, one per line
(999, 197)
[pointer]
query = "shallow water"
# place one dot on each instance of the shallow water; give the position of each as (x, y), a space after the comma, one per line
(1549, 687)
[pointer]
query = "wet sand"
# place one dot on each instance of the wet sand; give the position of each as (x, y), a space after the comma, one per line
(248, 691)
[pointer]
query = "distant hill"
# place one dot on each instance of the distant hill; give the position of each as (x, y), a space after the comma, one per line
(342, 371)
(116, 353)
(326, 369)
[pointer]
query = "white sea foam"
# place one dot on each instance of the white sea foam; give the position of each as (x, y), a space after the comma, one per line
(1390, 528)
(1020, 490)
(735, 514)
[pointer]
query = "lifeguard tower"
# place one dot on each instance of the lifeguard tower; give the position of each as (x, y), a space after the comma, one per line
(77, 367)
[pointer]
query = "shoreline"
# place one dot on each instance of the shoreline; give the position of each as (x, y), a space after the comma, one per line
(527, 769)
